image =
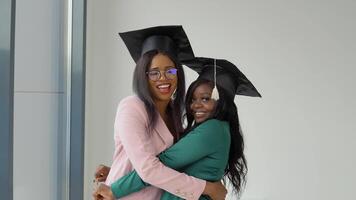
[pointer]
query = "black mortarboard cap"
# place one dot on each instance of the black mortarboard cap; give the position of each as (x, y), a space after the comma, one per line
(228, 76)
(170, 39)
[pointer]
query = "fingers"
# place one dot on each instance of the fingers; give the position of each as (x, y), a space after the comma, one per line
(105, 192)
(100, 179)
(101, 173)
(97, 196)
(97, 191)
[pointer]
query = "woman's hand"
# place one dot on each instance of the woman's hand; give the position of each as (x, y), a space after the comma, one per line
(101, 173)
(103, 192)
(216, 190)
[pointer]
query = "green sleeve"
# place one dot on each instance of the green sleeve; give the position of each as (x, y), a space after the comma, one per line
(180, 155)
(128, 184)
(194, 146)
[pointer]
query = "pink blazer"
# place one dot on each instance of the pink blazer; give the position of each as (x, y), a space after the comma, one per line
(136, 149)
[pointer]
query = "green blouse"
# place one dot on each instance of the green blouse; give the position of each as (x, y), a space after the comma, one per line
(202, 153)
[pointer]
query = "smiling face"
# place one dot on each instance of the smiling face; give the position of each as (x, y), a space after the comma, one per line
(162, 78)
(202, 106)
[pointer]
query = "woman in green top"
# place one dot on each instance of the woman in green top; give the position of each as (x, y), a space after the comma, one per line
(212, 146)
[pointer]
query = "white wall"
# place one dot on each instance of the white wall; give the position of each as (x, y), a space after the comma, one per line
(300, 139)
(38, 93)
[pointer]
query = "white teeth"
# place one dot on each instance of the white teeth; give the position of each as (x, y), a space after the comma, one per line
(199, 113)
(163, 86)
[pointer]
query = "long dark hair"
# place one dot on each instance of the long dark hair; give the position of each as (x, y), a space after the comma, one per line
(225, 110)
(140, 87)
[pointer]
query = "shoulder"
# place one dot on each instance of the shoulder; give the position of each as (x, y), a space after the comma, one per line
(132, 100)
(213, 130)
(213, 124)
(212, 127)
(132, 104)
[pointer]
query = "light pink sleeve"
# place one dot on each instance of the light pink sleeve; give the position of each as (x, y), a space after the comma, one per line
(131, 128)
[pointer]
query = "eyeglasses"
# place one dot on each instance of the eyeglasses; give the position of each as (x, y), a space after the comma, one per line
(155, 74)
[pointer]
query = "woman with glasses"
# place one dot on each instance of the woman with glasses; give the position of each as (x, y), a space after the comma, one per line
(151, 121)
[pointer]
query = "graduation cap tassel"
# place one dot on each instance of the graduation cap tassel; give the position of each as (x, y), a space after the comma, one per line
(215, 93)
